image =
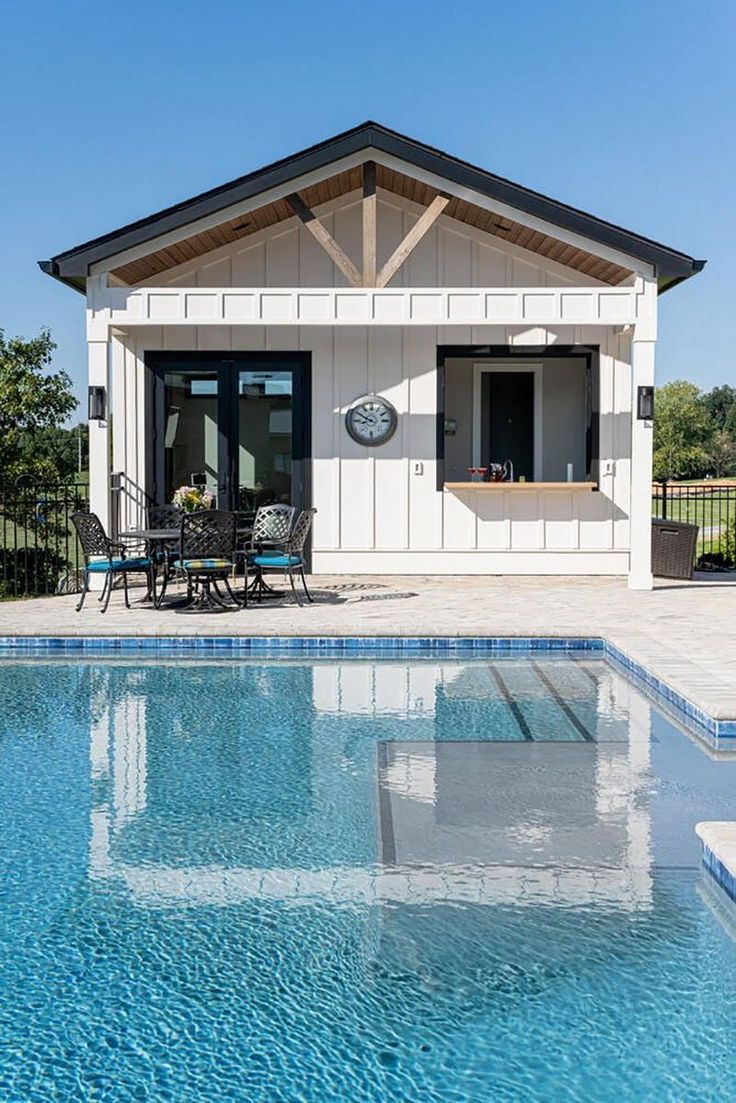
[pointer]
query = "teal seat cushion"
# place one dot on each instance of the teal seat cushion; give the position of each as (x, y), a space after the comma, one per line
(276, 561)
(104, 565)
(206, 564)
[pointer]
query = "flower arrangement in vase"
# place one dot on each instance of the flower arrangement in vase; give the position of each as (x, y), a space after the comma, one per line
(192, 498)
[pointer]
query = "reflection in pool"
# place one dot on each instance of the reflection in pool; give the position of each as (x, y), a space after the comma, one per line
(356, 880)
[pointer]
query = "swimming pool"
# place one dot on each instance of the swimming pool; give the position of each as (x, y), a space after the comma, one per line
(389, 878)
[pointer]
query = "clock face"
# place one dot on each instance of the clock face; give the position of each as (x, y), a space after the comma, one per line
(371, 420)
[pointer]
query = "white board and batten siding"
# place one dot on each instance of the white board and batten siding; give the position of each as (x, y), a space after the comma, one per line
(375, 514)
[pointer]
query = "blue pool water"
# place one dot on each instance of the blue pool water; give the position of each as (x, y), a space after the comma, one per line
(356, 880)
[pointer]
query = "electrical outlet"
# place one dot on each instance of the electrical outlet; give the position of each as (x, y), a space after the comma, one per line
(609, 467)
(418, 467)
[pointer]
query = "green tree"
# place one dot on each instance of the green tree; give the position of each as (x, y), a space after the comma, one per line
(55, 451)
(722, 454)
(721, 406)
(33, 401)
(682, 432)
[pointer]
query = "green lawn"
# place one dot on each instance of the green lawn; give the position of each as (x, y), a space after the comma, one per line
(38, 543)
(706, 511)
(712, 508)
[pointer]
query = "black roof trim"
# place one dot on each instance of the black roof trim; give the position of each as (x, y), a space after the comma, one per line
(671, 265)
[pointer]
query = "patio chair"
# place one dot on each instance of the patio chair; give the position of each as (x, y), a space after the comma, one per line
(271, 525)
(105, 556)
(164, 517)
(289, 557)
(163, 555)
(206, 558)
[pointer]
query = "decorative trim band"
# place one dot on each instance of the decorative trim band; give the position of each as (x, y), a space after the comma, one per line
(422, 306)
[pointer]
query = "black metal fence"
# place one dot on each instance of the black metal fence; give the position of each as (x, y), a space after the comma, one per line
(39, 550)
(40, 553)
(709, 505)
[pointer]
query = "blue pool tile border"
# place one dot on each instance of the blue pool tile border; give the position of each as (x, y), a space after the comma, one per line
(302, 644)
(720, 873)
(713, 729)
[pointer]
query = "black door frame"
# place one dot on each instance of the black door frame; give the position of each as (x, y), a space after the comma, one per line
(300, 364)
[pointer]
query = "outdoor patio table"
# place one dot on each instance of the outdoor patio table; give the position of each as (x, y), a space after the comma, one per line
(164, 535)
(158, 538)
(153, 539)
(152, 535)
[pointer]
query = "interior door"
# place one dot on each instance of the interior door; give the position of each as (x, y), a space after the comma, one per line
(507, 426)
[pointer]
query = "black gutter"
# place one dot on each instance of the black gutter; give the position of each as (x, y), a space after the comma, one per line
(671, 265)
(667, 285)
(50, 268)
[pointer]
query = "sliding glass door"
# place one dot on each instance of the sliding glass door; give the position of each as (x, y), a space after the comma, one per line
(190, 437)
(264, 412)
(238, 425)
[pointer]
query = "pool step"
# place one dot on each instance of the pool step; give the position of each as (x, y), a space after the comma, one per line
(719, 852)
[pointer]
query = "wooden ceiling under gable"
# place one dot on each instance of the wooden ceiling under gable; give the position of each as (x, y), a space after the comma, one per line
(244, 225)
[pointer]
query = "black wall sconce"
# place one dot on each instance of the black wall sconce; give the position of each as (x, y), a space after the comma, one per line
(645, 403)
(96, 403)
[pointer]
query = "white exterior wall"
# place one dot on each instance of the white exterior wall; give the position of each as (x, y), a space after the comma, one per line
(374, 513)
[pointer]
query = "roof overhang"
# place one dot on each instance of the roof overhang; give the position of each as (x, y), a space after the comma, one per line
(670, 266)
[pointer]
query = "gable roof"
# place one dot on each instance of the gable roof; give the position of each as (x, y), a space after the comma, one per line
(671, 266)
(199, 242)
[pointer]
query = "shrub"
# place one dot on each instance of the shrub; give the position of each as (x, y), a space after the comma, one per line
(29, 571)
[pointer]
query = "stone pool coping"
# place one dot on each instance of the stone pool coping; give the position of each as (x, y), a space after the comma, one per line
(681, 635)
(712, 728)
(719, 852)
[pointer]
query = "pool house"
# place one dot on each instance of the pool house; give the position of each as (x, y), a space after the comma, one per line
(456, 371)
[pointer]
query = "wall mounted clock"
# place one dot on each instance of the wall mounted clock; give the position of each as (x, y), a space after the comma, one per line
(371, 420)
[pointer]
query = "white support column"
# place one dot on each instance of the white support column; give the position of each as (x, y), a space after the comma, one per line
(642, 433)
(98, 353)
(99, 435)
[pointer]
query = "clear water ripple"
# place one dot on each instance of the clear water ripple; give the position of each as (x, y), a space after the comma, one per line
(354, 881)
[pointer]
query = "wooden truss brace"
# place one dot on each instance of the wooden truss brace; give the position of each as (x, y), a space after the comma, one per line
(369, 276)
(325, 238)
(412, 239)
(370, 204)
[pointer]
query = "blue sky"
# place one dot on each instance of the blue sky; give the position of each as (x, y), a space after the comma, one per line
(111, 111)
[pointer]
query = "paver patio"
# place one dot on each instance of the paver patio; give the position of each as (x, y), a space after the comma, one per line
(683, 632)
